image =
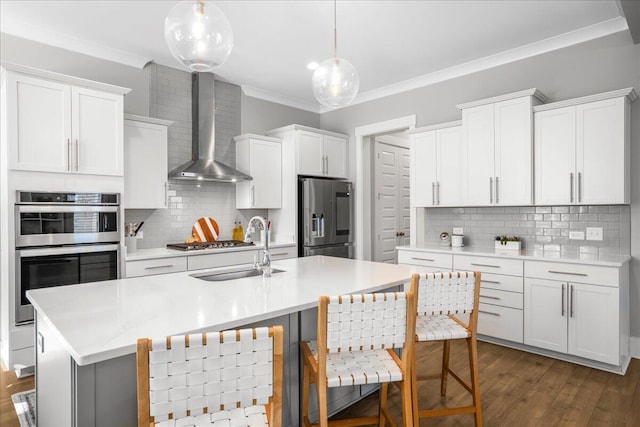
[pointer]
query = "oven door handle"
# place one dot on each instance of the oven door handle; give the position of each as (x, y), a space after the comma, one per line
(67, 250)
(64, 209)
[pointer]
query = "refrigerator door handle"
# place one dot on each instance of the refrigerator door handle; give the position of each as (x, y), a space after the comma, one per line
(321, 225)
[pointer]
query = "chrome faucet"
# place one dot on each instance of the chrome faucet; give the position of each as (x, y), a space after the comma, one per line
(265, 264)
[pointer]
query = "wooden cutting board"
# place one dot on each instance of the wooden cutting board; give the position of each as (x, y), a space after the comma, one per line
(205, 230)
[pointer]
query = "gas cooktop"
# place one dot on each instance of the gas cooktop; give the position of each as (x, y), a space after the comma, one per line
(208, 245)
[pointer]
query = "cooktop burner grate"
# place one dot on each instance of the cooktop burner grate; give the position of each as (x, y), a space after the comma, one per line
(208, 245)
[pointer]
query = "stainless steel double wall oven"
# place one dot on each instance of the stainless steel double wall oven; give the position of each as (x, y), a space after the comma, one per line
(64, 239)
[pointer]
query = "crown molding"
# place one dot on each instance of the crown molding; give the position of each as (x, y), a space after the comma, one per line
(507, 96)
(628, 92)
(266, 95)
(293, 127)
(145, 119)
(74, 44)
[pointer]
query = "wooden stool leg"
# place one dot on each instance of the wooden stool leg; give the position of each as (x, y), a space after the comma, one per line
(475, 380)
(445, 367)
(407, 402)
(413, 373)
(323, 418)
(305, 394)
(384, 389)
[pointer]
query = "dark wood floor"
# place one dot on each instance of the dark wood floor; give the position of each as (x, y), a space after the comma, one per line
(9, 385)
(518, 389)
(523, 389)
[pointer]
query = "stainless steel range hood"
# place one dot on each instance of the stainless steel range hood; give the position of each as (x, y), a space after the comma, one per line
(203, 166)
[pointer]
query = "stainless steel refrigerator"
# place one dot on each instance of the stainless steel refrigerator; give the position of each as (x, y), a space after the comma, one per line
(325, 217)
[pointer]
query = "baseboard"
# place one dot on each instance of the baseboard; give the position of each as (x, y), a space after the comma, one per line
(634, 344)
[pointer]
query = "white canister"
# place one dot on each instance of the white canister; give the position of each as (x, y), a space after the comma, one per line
(131, 242)
(457, 241)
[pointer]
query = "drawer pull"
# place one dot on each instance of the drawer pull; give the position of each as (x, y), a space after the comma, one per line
(485, 265)
(568, 272)
(495, 282)
(280, 254)
(423, 259)
(159, 266)
(490, 297)
(489, 313)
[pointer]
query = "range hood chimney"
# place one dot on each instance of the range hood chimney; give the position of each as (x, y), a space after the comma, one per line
(203, 166)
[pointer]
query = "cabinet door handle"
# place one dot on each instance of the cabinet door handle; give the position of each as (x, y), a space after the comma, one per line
(497, 191)
(166, 194)
(423, 259)
(571, 300)
(571, 187)
(69, 154)
(433, 193)
(154, 267)
(485, 265)
(327, 161)
(280, 254)
(438, 192)
(77, 155)
(253, 196)
(568, 272)
(562, 301)
(495, 282)
(490, 297)
(490, 190)
(579, 187)
(489, 312)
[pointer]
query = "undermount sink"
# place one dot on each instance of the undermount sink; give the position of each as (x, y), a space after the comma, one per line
(233, 274)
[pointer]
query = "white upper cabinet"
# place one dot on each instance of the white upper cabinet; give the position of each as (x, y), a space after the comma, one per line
(582, 150)
(145, 162)
(498, 149)
(261, 158)
(57, 123)
(436, 176)
(321, 154)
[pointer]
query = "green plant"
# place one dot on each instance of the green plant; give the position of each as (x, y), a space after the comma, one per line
(504, 239)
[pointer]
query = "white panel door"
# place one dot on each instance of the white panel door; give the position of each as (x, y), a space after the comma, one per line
(145, 165)
(391, 201)
(449, 181)
(513, 183)
(97, 127)
(266, 170)
(39, 124)
(555, 147)
(335, 151)
(424, 162)
(310, 154)
(593, 315)
(545, 314)
(478, 148)
(600, 160)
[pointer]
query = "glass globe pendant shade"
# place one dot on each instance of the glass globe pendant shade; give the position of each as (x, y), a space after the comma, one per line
(198, 35)
(335, 82)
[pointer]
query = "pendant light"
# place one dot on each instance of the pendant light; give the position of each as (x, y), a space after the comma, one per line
(335, 82)
(198, 35)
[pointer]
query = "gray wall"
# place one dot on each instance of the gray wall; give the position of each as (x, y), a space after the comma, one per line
(258, 116)
(33, 54)
(596, 66)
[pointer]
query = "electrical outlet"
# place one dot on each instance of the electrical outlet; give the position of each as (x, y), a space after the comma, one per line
(576, 235)
(458, 231)
(594, 233)
(140, 234)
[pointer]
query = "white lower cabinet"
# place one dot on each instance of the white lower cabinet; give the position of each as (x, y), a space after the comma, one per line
(150, 267)
(574, 318)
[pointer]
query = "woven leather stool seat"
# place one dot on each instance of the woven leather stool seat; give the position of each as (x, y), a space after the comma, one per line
(441, 327)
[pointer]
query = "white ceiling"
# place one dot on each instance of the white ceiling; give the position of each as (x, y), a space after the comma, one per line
(394, 45)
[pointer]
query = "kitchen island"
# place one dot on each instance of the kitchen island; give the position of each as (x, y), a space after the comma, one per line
(86, 334)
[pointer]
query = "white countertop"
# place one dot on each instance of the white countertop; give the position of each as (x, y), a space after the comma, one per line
(103, 320)
(531, 255)
(154, 253)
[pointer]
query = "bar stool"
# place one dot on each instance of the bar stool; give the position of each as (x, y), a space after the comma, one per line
(355, 342)
(213, 379)
(442, 296)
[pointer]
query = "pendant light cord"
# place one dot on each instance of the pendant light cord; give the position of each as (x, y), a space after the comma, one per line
(335, 30)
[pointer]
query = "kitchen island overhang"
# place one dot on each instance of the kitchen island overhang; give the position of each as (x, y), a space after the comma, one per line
(97, 325)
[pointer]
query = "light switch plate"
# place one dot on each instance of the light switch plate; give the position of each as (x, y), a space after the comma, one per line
(458, 231)
(594, 233)
(576, 235)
